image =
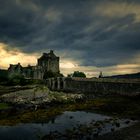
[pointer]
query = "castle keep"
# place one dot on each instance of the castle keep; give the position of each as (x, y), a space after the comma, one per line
(47, 62)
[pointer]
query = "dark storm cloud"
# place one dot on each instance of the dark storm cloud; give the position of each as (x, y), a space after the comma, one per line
(71, 26)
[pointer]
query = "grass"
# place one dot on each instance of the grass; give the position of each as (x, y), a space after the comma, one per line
(4, 106)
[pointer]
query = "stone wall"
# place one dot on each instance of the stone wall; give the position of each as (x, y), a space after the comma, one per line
(96, 86)
(54, 65)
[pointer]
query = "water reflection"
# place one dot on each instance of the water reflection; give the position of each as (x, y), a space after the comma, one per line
(69, 122)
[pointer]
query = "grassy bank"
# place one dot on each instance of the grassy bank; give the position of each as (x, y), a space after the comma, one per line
(4, 106)
(113, 106)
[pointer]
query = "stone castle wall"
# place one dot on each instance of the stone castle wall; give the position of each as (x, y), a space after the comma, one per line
(53, 65)
(95, 86)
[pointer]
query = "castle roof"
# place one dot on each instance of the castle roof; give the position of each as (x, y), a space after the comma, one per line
(48, 55)
(16, 66)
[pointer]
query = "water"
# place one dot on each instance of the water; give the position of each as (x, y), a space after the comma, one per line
(68, 120)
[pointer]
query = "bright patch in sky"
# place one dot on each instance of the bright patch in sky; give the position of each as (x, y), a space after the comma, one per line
(15, 56)
(67, 65)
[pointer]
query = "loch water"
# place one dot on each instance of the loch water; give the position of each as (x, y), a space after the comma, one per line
(66, 121)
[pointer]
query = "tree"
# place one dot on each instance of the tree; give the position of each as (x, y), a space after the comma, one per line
(69, 75)
(78, 74)
(50, 74)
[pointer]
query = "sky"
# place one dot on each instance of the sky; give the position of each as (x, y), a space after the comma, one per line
(88, 35)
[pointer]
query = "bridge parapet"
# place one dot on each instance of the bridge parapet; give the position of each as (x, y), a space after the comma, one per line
(57, 83)
(102, 86)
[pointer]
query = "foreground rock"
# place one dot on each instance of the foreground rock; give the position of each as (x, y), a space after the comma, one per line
(38, 95)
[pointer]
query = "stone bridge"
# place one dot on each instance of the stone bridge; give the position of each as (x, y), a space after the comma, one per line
(95, 85)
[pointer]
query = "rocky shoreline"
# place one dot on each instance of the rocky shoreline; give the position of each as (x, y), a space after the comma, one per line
(38, 104)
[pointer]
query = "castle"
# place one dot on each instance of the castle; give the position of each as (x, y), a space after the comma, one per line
(47, 62)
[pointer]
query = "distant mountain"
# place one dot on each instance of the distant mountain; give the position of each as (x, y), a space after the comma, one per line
(127, 76)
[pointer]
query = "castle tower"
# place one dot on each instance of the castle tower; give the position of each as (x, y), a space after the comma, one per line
(49, 62)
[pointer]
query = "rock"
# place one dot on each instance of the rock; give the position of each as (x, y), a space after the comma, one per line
(117, 124)
(71, 117)
(127, 122)
(112, 129)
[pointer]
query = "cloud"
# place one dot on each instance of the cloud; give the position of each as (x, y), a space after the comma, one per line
(92, 71)
(119, 9)
(53, 15)
(99, 34)
(15, 56)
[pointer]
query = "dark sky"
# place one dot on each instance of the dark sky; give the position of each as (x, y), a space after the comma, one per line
(88, 35)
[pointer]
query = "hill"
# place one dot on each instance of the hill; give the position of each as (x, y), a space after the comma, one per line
(126, 76)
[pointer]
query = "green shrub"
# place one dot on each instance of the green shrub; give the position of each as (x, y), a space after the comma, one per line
(3, 75)
(50, 74)
(16, 80)
(77, 74)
